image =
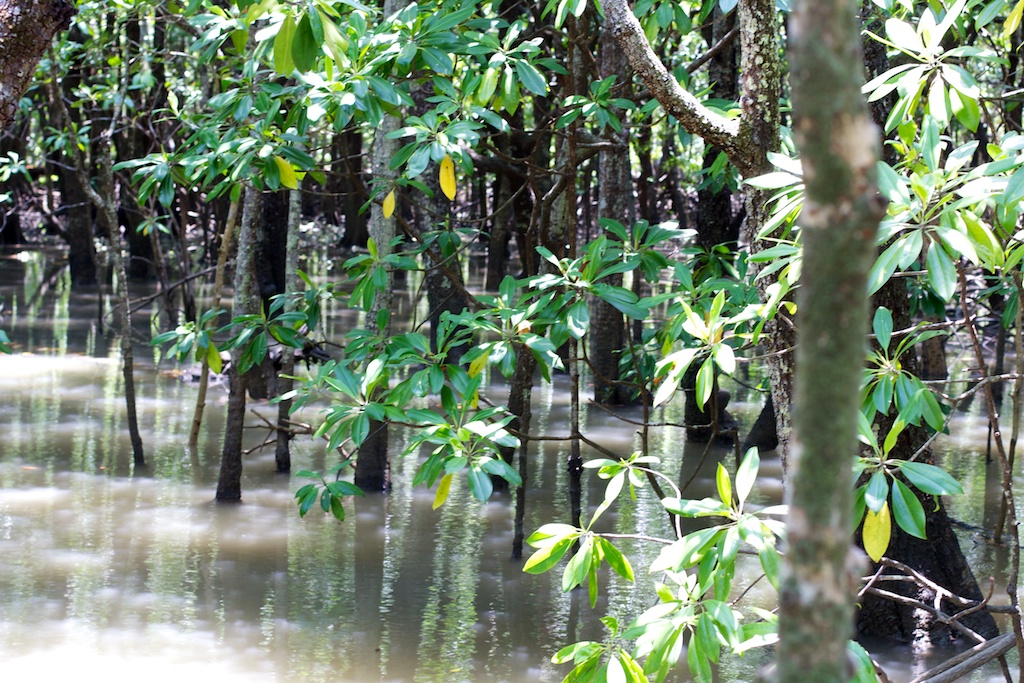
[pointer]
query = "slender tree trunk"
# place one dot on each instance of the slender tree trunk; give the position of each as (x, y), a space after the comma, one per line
(293, 283)
(218, 287)
(102, 198)
(560, 237)
(247, 301)
(839, 220)
(124, 312)
(373, 469)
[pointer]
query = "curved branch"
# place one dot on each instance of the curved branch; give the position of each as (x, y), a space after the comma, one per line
(694, 116)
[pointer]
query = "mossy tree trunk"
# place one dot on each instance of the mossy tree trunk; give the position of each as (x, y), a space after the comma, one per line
(839, 147)
(293, 283)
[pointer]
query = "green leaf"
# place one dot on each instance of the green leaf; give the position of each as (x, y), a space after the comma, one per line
(941, 272)
(724, 484)
(578, 319)
(548, 556)
(283, 62)
(531, 78)
(616, 560)
(686, 552)
(706, 507)
(877, 491)
(746, 474)
(213, 359)
(890, 439)
(907, 510)
(929, 478)
(882, 327)
(770, 563)
(705, 382)
(305, 49)
(904, 36)
(480, 484)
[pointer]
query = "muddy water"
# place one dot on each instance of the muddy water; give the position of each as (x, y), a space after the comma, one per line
(129, 573)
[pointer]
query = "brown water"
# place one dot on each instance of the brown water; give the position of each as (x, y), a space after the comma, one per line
(131, 574)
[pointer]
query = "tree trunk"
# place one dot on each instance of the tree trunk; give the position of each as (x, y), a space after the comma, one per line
(615, 201)
(293, 283)
(373, 470)
(218, 286)
(840, 218)
(350, 183)
(74, 202)
(27, 28)
(246, 301)
(715, 223)
(745, 141)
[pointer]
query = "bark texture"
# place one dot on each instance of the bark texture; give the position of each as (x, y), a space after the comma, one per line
(373, 471)
(246, 301)
(26, 29)
(615, 201)
(282, 450)
(839, 148)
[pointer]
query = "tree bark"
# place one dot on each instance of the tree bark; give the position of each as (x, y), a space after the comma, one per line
(26, 29)
(246, 301)
(293, 283)
(373, 470)
(608, 338)
(218, 287)
(839, 148)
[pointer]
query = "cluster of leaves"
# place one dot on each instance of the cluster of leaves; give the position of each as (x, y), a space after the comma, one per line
(696, 572)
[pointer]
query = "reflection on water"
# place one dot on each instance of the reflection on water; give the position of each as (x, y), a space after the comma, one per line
(128, 573)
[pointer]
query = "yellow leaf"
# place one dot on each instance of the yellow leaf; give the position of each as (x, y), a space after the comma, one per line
(213, 359)
(287, 173)
(478, 365)
(1013, 19)
(877, 532)
(442, 490)
(448, 176)
(389, 204)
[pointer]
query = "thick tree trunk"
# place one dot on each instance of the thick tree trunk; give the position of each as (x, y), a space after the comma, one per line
(745, 141)
(715, 220)
(26, 29)
(839, 221)
(229, 482)
(349, 183)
